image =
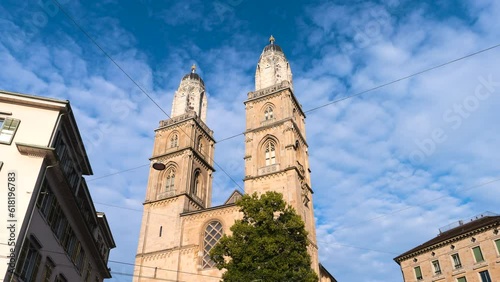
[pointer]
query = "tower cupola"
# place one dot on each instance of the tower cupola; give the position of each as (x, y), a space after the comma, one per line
(190, 96)
(273, 67)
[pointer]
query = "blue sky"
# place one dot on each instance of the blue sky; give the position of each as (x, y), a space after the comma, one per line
(388, 167)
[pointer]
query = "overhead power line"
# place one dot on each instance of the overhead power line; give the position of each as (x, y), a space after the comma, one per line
(418, 204)
(134, 82)
(130, 264)
(354, 95)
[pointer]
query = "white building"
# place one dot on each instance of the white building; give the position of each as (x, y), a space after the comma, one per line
(53, 232)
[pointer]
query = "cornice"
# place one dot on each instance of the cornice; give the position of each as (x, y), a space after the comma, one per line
(169, 155)
(190, 150)
(185, 118)
(162, 202)
(277, 88)
(201, 160)
(279, 173)
(446, 242)
(210, 212)
(279, 123)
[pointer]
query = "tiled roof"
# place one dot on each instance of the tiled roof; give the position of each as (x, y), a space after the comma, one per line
(454, 234)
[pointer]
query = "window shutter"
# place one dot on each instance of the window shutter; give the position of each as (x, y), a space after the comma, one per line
(497, 242)
(461, 279)
(477, 254)
(418, 272)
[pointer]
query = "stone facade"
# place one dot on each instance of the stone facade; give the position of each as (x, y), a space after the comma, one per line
(179, 225)
(469, 252)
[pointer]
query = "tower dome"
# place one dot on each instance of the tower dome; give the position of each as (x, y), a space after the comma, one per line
(190, 96)
(273, 67)
(193, 76)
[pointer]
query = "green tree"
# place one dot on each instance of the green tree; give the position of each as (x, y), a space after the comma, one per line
(268, 244)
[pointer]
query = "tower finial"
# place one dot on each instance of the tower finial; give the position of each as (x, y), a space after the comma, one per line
(271, 39)
(193, 68)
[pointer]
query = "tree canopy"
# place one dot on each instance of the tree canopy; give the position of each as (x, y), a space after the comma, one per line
(268, 244)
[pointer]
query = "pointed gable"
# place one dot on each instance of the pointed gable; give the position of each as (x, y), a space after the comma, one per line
(235, 196)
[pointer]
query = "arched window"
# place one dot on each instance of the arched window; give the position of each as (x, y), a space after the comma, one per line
(270, 155)
(174, 141)
(200, 145)
(196, 187)
(212, 235)
(170, 180)
(268, 113)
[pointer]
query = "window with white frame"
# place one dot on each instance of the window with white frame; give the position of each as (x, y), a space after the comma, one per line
(478, 255)
(418, 273)
(437, 267)
(8, 128)
(456, 261)
(270, 153)
(213, 233)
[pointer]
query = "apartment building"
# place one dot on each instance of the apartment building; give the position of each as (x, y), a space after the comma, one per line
(466, 251)
(53, 231)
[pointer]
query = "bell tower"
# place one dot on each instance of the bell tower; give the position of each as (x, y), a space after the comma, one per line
(183, 154)
(276, 150)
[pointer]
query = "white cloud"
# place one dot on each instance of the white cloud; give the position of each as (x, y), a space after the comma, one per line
(375, 174)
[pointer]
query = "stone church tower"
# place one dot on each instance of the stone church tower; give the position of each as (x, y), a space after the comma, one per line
(179, 226)
(276, 157)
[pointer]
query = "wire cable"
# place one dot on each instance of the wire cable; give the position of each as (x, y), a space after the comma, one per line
(130, 264)
(417, 204)
(369, 90)
(134, 82)
(404, 77)
(118, 172)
